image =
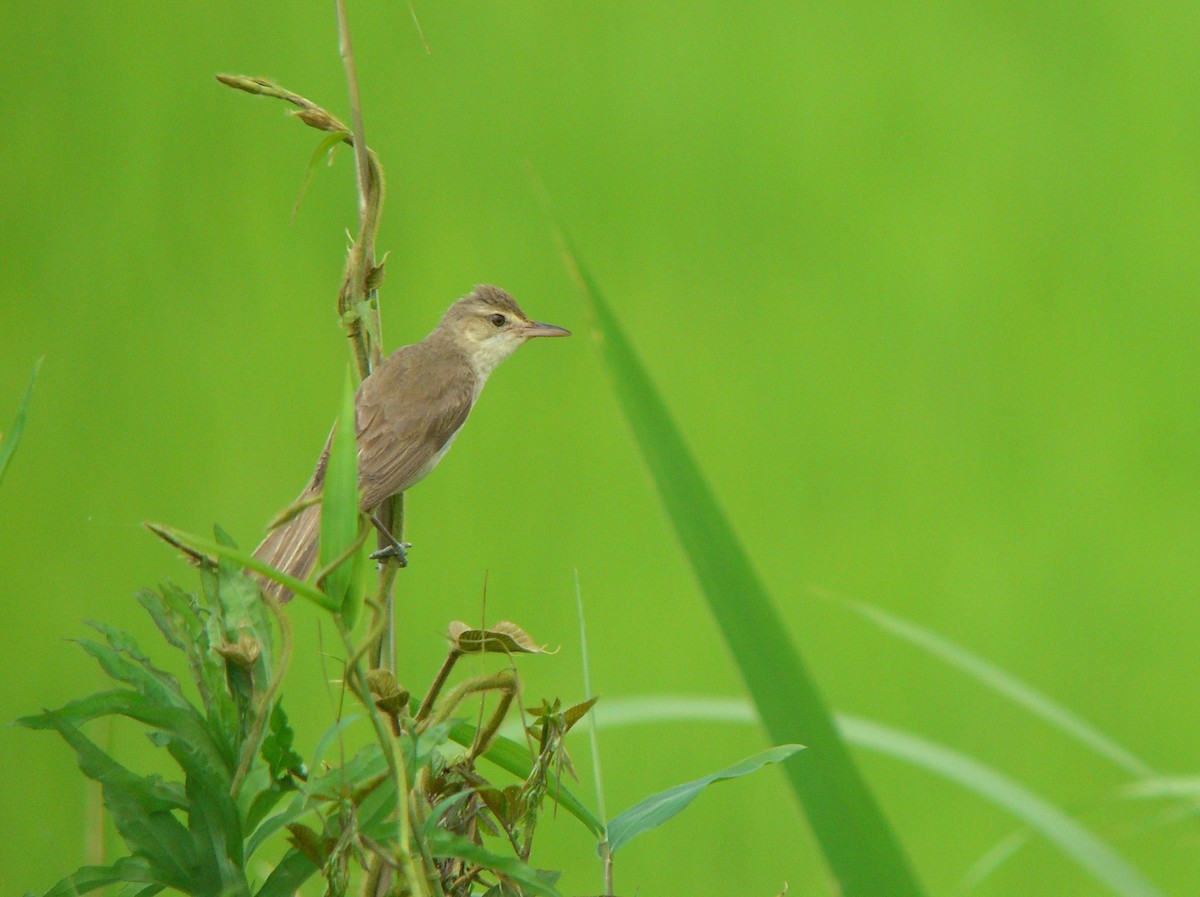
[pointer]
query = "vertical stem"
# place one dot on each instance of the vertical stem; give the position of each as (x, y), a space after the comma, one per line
(356, 123)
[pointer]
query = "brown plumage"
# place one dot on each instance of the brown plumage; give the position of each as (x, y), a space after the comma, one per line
(407, 413)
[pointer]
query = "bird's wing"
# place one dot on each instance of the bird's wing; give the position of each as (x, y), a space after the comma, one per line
(397, 447)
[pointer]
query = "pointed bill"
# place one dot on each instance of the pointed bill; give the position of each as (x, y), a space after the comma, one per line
(537, 328)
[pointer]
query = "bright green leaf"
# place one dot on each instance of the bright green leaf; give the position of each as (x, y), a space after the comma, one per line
(658, 808)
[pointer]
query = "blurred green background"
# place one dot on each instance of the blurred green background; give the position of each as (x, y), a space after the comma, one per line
(919, 283)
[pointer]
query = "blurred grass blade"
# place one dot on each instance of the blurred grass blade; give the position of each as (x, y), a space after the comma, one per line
(859, 845)
(1001, 681)
(9, 439)
(1104, 864)
(658, 808)
(1051, 821)
(339, 508)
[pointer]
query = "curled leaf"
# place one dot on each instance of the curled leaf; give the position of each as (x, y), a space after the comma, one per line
(499, 638)
(389, 696)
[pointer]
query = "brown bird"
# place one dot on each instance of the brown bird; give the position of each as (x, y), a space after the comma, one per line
(408, 412)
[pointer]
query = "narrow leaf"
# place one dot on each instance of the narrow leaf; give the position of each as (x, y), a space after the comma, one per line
(287, 876)
(658, 808)
(859, 845)
(339, 508)
(9, 439)
(215, 549)
(447, 844)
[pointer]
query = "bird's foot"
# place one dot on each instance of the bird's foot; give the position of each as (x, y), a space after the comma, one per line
(397, 551)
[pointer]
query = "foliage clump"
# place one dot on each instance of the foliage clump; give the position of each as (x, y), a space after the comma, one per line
(244, 793)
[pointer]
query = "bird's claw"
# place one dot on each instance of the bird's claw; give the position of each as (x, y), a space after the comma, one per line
(397, 551)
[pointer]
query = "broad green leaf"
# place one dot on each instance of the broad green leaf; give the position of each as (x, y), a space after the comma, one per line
(1094, 855)
(1019, 692)
(339, 509)
(9, 439)
(859, 845)
(215, 549)
(447, 844)
(658, 808)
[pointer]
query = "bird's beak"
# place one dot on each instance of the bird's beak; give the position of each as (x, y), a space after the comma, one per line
(537, 328)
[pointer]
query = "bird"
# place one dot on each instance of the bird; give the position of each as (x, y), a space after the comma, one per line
(407, 413)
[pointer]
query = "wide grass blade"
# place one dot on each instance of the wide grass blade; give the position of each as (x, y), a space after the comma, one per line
(1019, 692)
(9, 440)
(1051, 821)
(858, 843)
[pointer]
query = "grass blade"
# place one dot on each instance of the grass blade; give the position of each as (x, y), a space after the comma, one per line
(9, 440)
(1001, 681)
(858, 843)
(1094, 855)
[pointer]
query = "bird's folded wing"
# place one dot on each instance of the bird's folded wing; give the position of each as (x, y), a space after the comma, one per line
(397, 450)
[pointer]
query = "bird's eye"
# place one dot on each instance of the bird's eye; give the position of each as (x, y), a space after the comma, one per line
(498, 320)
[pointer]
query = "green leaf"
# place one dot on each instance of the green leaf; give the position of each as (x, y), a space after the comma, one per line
(89, 878)
(863, 852)
(447, 844)
(156, 685)
(9, 440)
(245, 559)
(287, 876)
(339, 510)
(139, 806)
(658, 808)
(1003, 682)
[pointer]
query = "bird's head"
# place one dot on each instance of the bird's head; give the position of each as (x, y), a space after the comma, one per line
(488, 326)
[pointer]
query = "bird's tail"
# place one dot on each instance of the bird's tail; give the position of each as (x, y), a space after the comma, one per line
(292, 548)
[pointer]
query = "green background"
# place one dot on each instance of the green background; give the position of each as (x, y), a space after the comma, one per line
(919, 283)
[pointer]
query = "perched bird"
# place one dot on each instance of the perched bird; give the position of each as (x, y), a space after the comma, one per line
(407, 413)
